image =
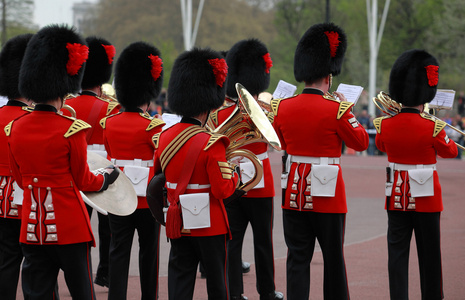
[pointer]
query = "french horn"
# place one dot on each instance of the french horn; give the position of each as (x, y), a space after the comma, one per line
(390, 107)
(247, 124)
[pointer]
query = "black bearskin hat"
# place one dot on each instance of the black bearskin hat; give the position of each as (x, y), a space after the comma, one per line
(414, 78)
(197, 82)
(10, 63)
(249, 64)
(99, 64)
(53, 64)
(138, 75)
(320, 52)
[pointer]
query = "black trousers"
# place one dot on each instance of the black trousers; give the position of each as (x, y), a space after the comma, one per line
(122, 230)
(427, 236)
(259, 213)
(301, 229)
(42, 264)
(11, 257)
(104, 236)
(185, 255)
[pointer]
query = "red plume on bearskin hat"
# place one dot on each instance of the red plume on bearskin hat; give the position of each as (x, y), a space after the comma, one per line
(138, 75)
(320, 52)
(99, 64)
(249, 64)
(10, 63)
(414, 78)
(197, 82)
(53, 64)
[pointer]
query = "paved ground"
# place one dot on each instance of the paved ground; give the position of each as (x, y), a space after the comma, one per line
(365, 250)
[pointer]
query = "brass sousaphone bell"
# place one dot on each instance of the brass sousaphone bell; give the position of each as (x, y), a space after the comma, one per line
(246, 125)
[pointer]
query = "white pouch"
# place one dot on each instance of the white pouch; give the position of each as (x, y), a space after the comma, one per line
(421, 182)
(388, 191)
(139, 177)
(195, 210)
(284, 177)
(19, 194)
(324, 179)
(248, 172)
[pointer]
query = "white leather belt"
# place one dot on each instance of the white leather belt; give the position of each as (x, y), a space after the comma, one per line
(262, 156)
(315, 160)
(132, 162)
(189, 186)
(406, 167)
(100, 147)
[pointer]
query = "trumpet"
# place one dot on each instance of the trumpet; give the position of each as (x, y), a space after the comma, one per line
(247, 124)
(108, 92)
(390, 107)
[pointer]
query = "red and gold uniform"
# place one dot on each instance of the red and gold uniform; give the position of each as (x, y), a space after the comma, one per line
(52, 177)
(127, 139)
(412, 140)
(211, 175)
(12, 110)
(313, 125)
(311, 128)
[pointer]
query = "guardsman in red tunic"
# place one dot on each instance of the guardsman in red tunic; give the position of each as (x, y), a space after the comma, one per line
(11, 255)
(198, 177)
(48, 158)
(411, 140)
(91, 108)
(311, 127)
(128, 141)
(249, 63)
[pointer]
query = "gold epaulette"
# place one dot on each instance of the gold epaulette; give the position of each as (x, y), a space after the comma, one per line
(343, 107)
(27, 108)
(8, 128)
(156, 139)
(377, 123)
(154, 123)
(274, 103)
(111, 106)
(214, 137)
(77, 126)
(103, 121)
(438, 124)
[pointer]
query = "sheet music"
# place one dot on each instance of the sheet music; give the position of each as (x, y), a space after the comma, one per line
(284, 90)
(444, 99)
(170, 120)
(351, 92)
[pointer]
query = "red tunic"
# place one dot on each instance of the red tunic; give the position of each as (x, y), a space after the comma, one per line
(48, 158)
(128, 136)
(12, 110)
(407, 138)
(311, 125)
(257, 148)
(100, 108)
(209, 169)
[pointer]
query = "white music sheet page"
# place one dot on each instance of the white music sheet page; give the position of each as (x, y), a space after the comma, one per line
(351, 92)
(284, 90)
(444, 99)
(170, 120)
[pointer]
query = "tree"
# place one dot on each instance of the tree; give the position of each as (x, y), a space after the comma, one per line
(16, 18)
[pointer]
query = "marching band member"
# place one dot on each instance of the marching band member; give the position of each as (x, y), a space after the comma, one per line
(198, 177)
(55, 229)
(128, 140)
(11, 255)
(91, 108)
(249, 63)
(411, 141)
(311, 127)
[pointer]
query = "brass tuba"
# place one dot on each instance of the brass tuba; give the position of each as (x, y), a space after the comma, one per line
(246, 125)
(390, 107)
